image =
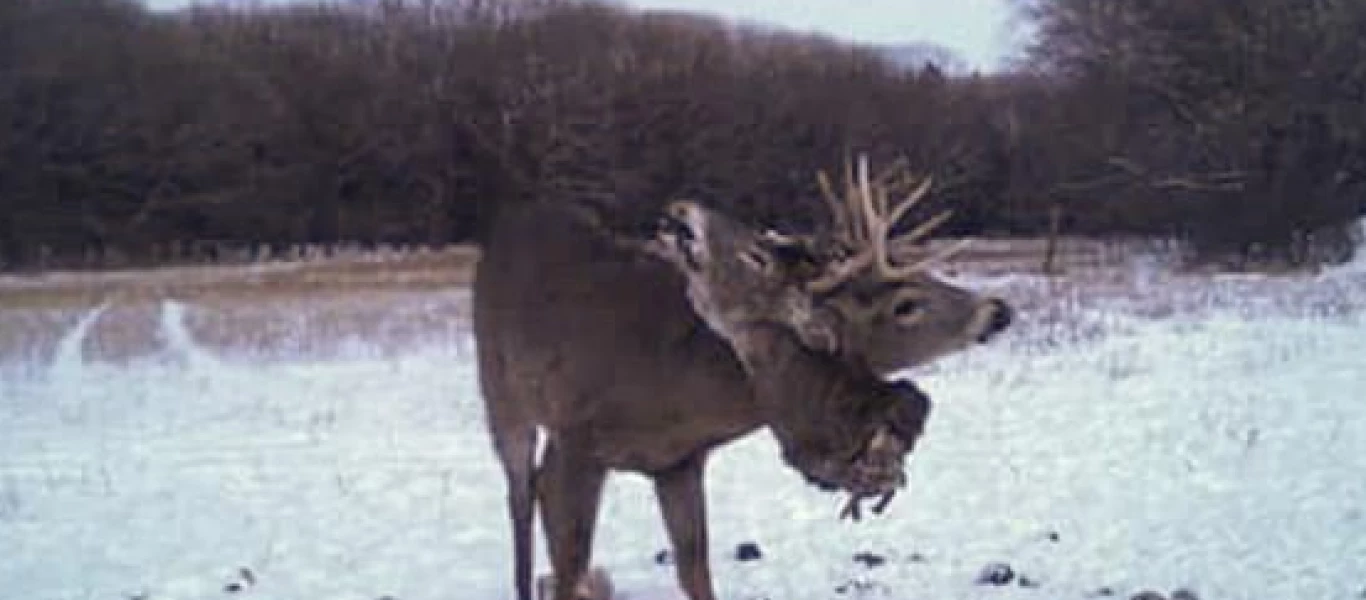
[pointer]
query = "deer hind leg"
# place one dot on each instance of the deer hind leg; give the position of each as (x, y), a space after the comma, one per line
(682, 499)
(570, 484)
(516, 451)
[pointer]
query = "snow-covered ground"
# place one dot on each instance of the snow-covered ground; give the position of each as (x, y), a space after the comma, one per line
(1137, 430)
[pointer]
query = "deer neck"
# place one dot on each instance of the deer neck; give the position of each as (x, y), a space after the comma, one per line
(811, 401)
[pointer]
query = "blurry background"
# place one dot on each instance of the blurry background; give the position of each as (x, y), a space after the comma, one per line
(237, 130)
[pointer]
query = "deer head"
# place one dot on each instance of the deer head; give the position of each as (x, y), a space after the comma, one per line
(896, 313)
(804, 313)
(860, 288)
(838, 423)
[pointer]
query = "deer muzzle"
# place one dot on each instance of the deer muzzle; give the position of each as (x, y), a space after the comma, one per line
(679, 230)
(993, 317)
(878, 471)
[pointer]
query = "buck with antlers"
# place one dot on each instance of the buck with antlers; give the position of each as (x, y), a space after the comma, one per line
(855, 427)
(644, 356)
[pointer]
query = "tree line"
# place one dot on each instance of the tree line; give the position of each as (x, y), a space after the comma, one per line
(1235, 125)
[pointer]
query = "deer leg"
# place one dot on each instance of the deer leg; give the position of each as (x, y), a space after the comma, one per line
(517, 452)
(570, 484)
(682, 499)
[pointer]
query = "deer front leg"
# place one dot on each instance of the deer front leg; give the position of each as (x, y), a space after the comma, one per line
(682, 499)
(570, 487)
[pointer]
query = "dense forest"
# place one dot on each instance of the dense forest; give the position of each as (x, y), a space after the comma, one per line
(1237, 126)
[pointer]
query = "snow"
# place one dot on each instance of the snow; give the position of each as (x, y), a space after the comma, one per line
(1137, 431)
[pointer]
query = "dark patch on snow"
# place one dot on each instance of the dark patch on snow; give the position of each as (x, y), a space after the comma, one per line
(245, 579)
(1053, 536)
(916, 557)
(748, 551)
(1027, 582)
(664, 558)
(860, 587)
(1103, 592)
(995, 574)
(1184, 594)
(869, 559)
(1147, 595)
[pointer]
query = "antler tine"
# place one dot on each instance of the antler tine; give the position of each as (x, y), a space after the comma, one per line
(911, 238)
(924, 229)
(941, 255)
(869, 220)
(879, 223)
(883, 262)
(874, 186)
(884, 265)
(863, 227)
(920, 259)
(840, 222)
(911, 200)
(865, 189)
(859, 225)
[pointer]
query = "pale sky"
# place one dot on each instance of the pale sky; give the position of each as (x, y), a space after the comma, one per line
(978, 30)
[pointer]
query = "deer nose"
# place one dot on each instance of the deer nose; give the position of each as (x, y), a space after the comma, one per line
(667, 224)
(1002, 315)
(671, 222)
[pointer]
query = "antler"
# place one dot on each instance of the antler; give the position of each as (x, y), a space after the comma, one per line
(863, 219)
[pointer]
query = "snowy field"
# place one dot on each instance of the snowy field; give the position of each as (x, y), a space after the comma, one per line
(1137, 430)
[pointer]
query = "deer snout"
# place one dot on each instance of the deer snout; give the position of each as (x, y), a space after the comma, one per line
(673, 223)
(689, 214)
(676, 227)
(999, 317)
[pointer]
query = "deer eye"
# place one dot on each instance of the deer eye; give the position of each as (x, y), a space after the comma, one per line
(908, 309)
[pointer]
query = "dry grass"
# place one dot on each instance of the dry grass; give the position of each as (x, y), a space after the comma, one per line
(1075, 255)
(299, 308)
(325, 307)
(359, 305)
(437, 270)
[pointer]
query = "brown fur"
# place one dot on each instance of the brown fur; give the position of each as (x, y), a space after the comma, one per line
(598, 345)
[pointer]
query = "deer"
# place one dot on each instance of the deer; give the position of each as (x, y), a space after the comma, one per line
(591, 348)
(855, 427)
